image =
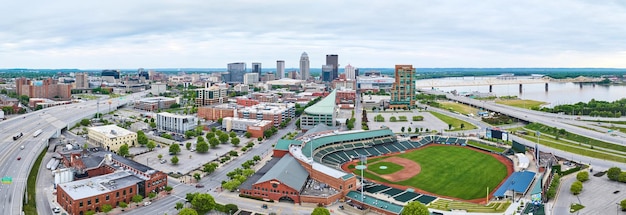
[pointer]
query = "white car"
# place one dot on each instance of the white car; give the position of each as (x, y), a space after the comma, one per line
(56, 210)
(147, 203)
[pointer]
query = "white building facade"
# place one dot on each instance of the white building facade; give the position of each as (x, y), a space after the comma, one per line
(175, 123)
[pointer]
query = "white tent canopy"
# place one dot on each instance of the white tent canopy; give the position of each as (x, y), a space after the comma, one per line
(522, 161)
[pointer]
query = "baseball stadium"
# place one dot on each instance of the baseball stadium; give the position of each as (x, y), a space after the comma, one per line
(396, 170)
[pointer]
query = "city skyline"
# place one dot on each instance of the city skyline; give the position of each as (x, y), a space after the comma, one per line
(187, 34)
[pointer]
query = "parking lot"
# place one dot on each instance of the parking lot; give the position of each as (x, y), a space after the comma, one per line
(431, 122)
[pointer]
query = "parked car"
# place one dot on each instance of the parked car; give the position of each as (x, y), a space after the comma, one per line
(199, 185)
(56, 210)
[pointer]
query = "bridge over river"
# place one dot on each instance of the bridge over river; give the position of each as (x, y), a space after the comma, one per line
(499, 80)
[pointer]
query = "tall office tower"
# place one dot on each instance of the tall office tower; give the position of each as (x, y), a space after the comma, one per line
(333, 59)
(280, 69)
(327, 73)
(349, 71)
(256, 68)
(82, 80)
(236, 72)
(305, 66)
(143, 73)
(356, 72)
(403, 89)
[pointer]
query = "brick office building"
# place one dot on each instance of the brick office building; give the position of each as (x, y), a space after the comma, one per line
(216, 112)
(104, 178)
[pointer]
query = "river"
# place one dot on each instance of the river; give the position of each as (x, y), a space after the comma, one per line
(558, 93)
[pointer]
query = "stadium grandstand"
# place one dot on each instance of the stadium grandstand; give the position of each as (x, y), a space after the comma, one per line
(322, 150)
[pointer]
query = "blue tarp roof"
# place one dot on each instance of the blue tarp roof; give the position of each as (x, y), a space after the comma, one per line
(518, 181)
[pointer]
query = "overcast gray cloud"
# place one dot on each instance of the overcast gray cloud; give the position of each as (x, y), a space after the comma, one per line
(447, 33)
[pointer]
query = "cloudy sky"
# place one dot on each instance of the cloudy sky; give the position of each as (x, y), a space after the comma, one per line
(209, 34)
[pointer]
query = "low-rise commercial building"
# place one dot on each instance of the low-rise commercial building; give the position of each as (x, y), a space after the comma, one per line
(216, 112)
(255, 127)
(106, 179)
(175, 123)
(153, 104)
(275, 112)
(111, 137)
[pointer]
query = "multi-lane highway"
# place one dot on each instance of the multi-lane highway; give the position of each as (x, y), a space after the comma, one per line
(16, 162)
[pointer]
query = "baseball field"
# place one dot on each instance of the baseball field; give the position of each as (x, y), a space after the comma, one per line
(452, 171)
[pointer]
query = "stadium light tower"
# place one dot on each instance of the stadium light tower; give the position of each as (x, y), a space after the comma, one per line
(362, 167)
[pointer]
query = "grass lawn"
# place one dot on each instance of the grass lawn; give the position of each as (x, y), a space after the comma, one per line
(521, 103)
(455, 171)
(458, 107)
(391, 168)
(456, 123)
(31, 207)
(493, 207)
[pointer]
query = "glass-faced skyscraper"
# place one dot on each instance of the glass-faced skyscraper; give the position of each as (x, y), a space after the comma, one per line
(403, 89)
(280, 69)
(333, 60)
(256, 68)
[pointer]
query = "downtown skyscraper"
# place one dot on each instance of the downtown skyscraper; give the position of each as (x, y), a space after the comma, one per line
(280, 69)
(305, 67)
(333, 61)
(256, 68)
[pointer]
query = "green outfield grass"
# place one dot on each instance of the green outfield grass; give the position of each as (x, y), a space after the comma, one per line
(455, 171)
(452, 171)
(391, 168)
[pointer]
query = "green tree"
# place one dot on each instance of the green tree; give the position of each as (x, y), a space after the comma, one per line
(152, 125)
(160, 156)
(188, 145)
(90, 212)
(231, 208)
(197, 176)
(174, 160)
(123, 205)
(141, 138)
(320, 211)
(449, 126)
(298, 124)
(168, 188)
(151, 145)
(409, 130)
(402, 129)
(235, 141)
(613, 173)
(232, 134)
(622, 204)
(576, 187)
(223, 137)
(248, 134)
(210, 167)
(189, 134)
(174, 149)
(582, 176)
(622, 177)
(202, 147)
(214, 142)
(106, 208)
(209, 135)
(152, 195)
(415, 208)
(124, 150)
(259, 139)
(179, 205)
(256, 158)
(188, 211)
(137, 198)
(220, 120)
(203, 203)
